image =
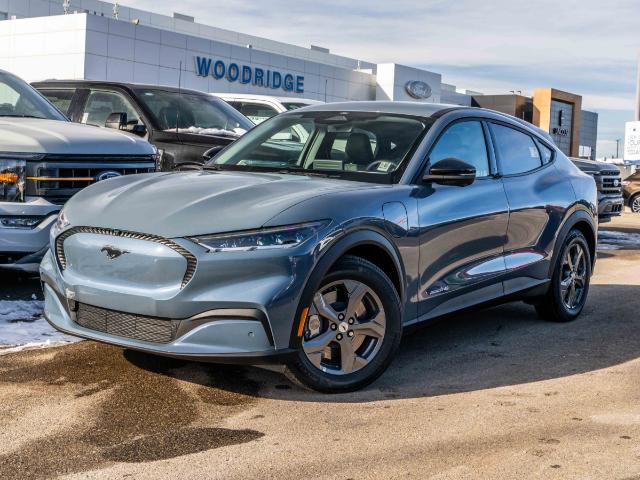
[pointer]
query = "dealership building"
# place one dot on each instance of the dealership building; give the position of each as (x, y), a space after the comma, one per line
(96, 40)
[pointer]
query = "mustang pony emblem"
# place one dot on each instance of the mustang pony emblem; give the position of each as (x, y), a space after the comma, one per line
(113, 252)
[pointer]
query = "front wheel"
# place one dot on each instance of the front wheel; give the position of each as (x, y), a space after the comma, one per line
(570, 282)
(352, 331)
(634, 203)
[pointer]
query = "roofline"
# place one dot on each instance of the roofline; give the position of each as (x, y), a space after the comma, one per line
(129, 85)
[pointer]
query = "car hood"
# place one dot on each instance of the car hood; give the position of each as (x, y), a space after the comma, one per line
(592, 165)
(31, 135)
(184, 204)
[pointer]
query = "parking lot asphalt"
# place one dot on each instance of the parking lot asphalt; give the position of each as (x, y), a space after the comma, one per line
(495, 393)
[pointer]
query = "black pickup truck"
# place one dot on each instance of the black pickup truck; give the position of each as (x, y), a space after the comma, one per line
(182, 124)
(609, 183)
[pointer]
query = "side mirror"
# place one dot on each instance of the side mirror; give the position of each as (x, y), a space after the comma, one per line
(137, 129)
(117, 120)
(187, 166)
(212, 152)
(451, 171)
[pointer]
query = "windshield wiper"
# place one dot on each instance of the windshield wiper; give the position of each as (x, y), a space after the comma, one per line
(290, 170)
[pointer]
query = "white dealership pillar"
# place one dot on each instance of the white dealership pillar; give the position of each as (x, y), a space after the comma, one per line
(638, 90)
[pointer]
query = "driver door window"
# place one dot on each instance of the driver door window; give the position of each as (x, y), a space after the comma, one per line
(464, 141)
(101, 104)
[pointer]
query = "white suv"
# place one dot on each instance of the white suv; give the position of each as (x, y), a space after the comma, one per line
(259, 108)
(44, 160)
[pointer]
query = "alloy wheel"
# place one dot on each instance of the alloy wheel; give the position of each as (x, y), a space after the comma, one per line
(345, 327)
(635, 204)
(573, 276)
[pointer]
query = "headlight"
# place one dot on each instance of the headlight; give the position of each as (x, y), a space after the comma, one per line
(280, 237)
(158, 156)
(21, 221)
(61, 223)
(12, 179)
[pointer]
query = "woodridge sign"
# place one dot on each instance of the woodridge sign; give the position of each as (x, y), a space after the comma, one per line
(247, 74)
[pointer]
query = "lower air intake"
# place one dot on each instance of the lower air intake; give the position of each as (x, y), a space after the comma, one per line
(128, 325)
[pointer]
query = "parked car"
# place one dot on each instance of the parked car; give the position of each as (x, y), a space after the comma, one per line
(318, 255)
(182, 124)
(609, 183)
(44, 160)
(631, 192)
(259, 108)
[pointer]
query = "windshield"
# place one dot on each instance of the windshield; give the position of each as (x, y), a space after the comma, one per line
(351, 145)
(19, 99)
(187, 112)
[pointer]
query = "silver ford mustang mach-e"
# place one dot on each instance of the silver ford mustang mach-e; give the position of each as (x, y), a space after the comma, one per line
(320, 235)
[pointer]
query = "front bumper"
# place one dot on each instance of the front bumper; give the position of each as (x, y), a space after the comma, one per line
(22, 250)
(610, 207)
(235, 309)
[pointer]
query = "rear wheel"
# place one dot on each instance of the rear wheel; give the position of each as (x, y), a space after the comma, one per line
(634, 203)
(352, 330)
(570, 282)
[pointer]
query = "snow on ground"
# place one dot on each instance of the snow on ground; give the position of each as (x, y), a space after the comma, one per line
(613, 240)
(22, 326)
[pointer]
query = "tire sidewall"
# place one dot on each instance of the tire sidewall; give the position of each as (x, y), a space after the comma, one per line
(566, 313)
(353, 268)
(631, 202)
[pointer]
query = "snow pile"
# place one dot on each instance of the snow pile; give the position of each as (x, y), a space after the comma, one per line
(612, 240)
(236, 132)
(22, 326)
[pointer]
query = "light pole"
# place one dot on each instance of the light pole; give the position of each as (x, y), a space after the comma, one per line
(617, 148)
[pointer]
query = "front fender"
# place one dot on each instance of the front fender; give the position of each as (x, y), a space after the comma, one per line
(332, 248)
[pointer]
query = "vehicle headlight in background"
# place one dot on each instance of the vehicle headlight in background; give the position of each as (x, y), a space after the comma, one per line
(21, 221)
(158, 156)
(12, 178)
(279, 237)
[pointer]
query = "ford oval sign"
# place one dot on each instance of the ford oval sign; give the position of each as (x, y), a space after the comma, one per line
(418, 89)
(107, 175)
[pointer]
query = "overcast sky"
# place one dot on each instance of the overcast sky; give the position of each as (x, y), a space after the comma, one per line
(589, 47)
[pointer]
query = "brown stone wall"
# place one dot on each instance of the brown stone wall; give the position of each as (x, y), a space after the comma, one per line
(542, 98)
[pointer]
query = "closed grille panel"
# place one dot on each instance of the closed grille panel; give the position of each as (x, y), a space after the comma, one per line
(191, 259)
(128, 325)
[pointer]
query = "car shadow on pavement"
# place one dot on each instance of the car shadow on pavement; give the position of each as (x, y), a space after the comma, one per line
(501, 346)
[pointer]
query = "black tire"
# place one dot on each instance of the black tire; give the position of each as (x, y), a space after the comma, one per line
(553, 305)
(634, 203)
(350, 268)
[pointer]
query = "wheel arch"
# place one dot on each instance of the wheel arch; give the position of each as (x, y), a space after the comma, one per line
(582, 221)
(364, 243)
(632, 197)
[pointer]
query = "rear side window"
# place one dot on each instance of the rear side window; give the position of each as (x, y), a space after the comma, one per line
(60, 98)
(546, 152)
(516, 151)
